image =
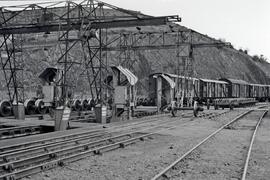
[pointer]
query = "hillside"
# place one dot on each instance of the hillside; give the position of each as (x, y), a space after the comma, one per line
(210, 62)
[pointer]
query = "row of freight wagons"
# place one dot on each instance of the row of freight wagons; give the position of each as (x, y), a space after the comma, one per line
(206, 88)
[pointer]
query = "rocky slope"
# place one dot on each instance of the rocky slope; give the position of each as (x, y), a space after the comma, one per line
(210, 62)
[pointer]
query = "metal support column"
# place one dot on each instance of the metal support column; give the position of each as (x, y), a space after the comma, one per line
(159, 93)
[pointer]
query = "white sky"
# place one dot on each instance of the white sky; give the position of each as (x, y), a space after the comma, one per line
(244, 23)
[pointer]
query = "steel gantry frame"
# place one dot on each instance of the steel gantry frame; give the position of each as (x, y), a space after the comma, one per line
(74, 24)
(180, 39)
(85, 25)
(12, 66)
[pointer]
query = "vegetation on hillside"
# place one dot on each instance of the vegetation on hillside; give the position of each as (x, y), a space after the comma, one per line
(260, 58)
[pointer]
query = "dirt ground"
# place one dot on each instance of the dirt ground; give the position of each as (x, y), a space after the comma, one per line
(144, 159)
(223, 157)
(260, 157)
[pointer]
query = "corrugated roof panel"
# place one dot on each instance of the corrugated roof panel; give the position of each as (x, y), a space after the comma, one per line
(235, 81)
(261, 85)
(214, 81)
(179, 76)
(132, 79)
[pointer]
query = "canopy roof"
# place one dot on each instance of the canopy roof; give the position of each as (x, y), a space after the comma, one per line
(165, 76)
(132, 79)
(169, 80)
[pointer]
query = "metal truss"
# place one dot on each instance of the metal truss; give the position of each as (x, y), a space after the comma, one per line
(81, 24)
(12, 63)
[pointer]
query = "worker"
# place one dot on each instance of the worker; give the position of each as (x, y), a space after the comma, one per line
(174, 107)
(208, 103)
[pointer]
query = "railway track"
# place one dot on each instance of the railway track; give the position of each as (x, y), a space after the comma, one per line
(18, 164)
(66, 138)
(251, 145)
(74, 136)
(19, 131)
(32, 157)
(27, 158)
(163, 174)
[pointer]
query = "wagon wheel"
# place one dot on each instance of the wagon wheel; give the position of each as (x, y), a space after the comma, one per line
(84, 104)
(29, 106)
(40, 107)
(5, 108)
(76, 105)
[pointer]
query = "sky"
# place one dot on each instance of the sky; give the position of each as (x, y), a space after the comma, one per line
(244, 23)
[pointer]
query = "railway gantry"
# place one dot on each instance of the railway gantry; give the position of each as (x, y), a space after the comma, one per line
(69, 24)
(86, 26)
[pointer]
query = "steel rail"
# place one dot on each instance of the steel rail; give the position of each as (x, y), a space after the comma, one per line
(34, 144)
(31, 144)
(250, 146)
(47, 153)
(5, 137)
(164, 171)
(38, 148)
(108, 146)
(2, 149)
(38, 168)
(15, 164)
(76, 140)
(11, 129)
(20, 131)
(43, 148)
(73, 157)
(16, 147)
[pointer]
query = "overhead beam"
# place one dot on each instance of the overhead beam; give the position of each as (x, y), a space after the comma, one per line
(165, 46)
(37, 28)
(136, 47)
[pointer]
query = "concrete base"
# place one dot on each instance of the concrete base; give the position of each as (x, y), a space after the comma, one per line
(19, 111)
(101, 114)
(61, 115)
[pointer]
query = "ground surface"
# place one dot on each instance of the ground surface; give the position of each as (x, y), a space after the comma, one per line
(222, 157)
(218, 159)
(260, 158)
